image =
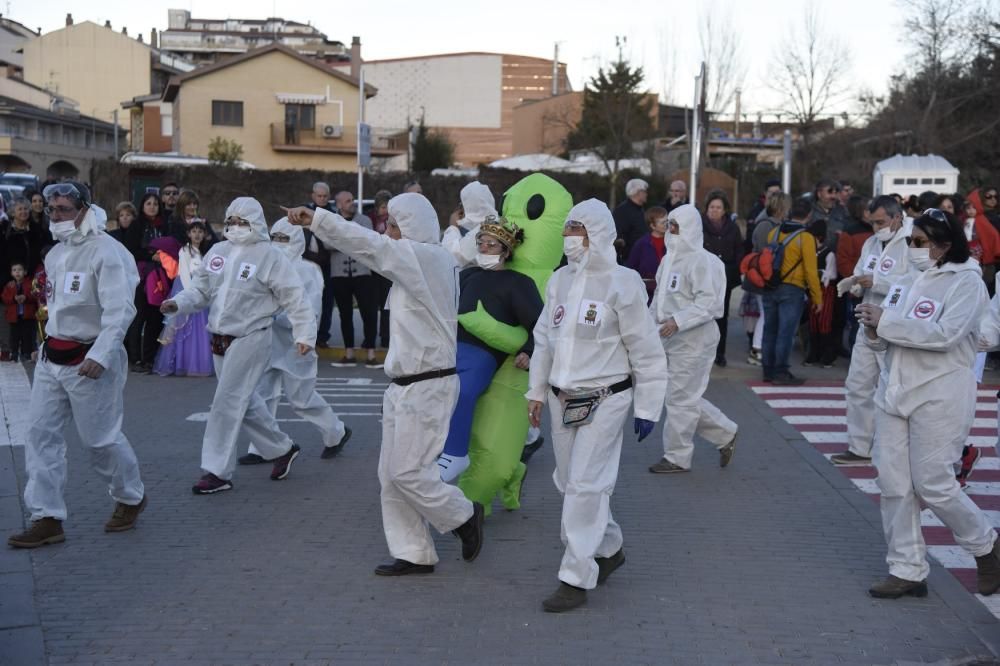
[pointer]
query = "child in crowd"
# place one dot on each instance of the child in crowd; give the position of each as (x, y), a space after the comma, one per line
(20, 313)
(187, 348)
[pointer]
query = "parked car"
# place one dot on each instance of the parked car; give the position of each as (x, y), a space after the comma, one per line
(9, 193)
(23, 180)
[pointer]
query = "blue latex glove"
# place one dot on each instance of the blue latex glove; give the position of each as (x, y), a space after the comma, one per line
(643, 428)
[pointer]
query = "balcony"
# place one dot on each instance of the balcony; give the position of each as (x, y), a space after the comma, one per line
(386, 142)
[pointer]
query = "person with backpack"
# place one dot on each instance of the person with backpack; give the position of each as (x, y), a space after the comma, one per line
(793, 274)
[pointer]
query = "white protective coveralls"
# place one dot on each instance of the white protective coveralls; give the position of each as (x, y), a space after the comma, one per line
(289, 369)
(925, 406)
(89, 288)
(889, 267)
(690, 288)
(594, 332)
(244, 285)
(478, 204)
(989, 339)
(423, 328)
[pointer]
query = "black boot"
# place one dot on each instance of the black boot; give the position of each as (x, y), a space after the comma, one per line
(988, 571)
(403, 568)
(607, 565)
(471, 533)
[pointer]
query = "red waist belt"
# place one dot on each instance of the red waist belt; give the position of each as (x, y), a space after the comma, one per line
(65, 352)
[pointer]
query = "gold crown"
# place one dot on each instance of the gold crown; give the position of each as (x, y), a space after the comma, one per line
(503, 230)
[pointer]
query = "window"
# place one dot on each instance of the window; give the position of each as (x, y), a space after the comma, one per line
(939, 181)
(227, 113)
(898, 181)
(300, 116)
(926, 181)
(911, 181)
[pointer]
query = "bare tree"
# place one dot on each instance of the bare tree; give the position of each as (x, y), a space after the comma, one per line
(937, 32)
(722, 53)
(668, 63)
(810, 70)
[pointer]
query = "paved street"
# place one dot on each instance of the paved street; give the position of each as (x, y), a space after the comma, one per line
(767, 561)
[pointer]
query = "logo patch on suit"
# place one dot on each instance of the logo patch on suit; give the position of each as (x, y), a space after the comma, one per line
(924, 309)
(590, 312)
(215, 264)
(74, 283)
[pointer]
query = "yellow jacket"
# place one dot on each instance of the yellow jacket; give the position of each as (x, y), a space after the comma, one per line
(798, 265)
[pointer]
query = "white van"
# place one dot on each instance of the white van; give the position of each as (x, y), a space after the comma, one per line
(913, 174)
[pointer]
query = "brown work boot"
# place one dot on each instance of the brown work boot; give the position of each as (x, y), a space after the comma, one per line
(988, 571)
(124, 516)
(894, 588)
(42, 531)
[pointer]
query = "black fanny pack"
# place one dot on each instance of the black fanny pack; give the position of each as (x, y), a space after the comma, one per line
(424, 376)
(65, 352)
(579, 410)
(220, 343)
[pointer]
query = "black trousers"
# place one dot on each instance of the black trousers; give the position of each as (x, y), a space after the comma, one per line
(732, 281)
(152, 326)
(383, 284)
(323, 334)
(363, 290)
(133, 336)
(23, 333)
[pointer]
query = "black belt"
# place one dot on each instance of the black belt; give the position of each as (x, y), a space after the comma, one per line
(423, 376)
(614, 388)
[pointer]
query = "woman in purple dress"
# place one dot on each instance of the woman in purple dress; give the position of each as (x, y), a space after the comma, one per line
(187, 349)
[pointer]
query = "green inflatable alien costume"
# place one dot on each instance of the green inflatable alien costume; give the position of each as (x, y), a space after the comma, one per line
(539, 205)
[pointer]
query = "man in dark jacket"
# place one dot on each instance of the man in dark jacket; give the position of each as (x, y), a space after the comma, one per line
(320, 255)
(678, 195)
(630, 217)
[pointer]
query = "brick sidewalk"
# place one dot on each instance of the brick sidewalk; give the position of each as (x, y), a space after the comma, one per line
(766, 561)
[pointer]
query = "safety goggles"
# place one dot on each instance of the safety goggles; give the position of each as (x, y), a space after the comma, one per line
(936, 214)
(279, 238)
(61, 190)
(573, 225)
(919, 242)
(235, 221)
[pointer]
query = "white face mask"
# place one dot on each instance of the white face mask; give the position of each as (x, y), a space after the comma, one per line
(238, 234)
(920, 258)
(488, 261)
(287, 249)
(969, 226)
(573, 248)
(61, 231)
(885, 234)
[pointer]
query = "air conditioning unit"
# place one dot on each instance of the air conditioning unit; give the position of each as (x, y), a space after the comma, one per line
(331, 131)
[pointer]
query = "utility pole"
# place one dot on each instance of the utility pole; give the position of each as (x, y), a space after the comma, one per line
(786, 169)
(555, 71)
(736, 125)
(696, 131)
(116, 134)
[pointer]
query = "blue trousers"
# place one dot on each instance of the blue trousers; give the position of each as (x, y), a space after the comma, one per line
(476, 368)
(782, 313)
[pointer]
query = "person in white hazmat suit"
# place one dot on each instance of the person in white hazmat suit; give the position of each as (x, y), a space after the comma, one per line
(244, 281)
(81, 373)
(289, 370)
(878, 277)
(926, 404)
(690, 291)
(460, 239)
(417, 406)
(595, 345)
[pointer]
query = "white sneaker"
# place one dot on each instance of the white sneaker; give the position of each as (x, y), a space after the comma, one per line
(452, 466)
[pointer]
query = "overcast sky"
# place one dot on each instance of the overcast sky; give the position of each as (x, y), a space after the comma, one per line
(662, 35)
